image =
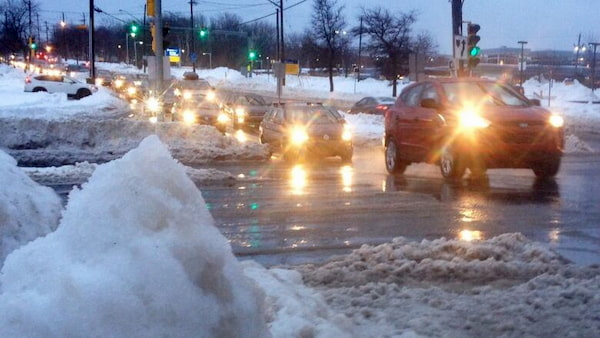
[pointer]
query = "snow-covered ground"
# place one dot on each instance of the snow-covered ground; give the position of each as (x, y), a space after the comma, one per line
(135, 252)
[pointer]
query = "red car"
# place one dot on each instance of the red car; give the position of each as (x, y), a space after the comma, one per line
(475, 124)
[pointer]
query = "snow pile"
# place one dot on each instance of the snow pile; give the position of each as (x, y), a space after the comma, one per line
(504, 286)
(135, 255)
(52, 142)
(27, 210)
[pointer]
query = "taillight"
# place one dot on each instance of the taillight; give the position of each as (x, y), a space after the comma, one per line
(28, 80)
(382, 107)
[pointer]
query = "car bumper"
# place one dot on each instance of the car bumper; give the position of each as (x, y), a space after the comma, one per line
(323, 147)
(514, 148)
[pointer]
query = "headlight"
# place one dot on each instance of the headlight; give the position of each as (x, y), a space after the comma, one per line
(99, 82)
(223, 118)
(131, 91)
(239, 111)
(347, 133)
(187, 95)
(298, 135)
(153, 104)
(556, 121)
(189, 117)
(118, 83)
(469, 119)
(153, 119)
(210, 96)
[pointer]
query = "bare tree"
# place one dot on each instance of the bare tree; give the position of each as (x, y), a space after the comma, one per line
(14, 27)
(328, 24)
(389, 37)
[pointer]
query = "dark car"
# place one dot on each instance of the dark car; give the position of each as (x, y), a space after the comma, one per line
(471, 123)
(245, 109)
(198, 109)
(298, 130)
(372, 105)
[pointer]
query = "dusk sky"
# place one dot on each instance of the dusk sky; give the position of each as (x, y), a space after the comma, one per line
(545, 24)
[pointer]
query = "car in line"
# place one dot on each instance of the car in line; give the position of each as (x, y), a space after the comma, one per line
(59, 84)
(198, 109)
(301, 130)
(245, 109)
(376, 105)
(471, 123)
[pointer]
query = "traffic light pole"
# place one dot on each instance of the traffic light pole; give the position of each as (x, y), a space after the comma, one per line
(457, 30)
(159, 46)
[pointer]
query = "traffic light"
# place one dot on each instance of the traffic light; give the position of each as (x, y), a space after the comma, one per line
(153, 34)
(32, 43)
(251, 55)
(203, 32)
(472, 41)
(133, 29)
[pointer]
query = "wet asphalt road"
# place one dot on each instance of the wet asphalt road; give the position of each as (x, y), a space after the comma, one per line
(283, 213)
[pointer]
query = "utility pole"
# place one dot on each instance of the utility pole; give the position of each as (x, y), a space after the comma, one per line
(577, 48)
(92, 51)
(31, 51)
(359, 48)
(523, 43)
(193, 47)
(594, 44)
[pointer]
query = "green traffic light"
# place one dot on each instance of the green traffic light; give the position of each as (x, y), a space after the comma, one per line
(252, 55)
(33, 46)
(203, 33)
(475, 51)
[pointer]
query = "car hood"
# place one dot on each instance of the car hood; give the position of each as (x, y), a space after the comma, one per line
(506, 114)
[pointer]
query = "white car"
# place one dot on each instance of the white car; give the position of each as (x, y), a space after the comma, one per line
(59, 84)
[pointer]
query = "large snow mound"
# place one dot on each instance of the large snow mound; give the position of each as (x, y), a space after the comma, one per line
(27, 209)
(135, 255)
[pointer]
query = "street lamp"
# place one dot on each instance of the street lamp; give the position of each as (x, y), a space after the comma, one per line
(192, 47)
(209, 59)
(523, 43)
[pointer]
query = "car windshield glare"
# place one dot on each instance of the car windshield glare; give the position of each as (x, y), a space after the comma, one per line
(484, 93)
(312, 116)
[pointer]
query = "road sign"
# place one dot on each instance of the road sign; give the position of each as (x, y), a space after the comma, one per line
(460, 47)
(194, 57)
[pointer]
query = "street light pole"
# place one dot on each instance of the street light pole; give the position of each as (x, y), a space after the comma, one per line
(523, 43)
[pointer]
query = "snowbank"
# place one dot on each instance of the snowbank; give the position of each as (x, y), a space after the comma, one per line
(135, 255)
(27, 209)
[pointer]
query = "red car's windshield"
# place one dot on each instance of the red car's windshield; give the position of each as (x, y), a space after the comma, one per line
(482, 93)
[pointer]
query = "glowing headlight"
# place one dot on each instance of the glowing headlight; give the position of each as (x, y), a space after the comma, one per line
(470, 119)
(298, 135)
(239, 111)
(153, 104)
(99, 82)
(119, 83)
(210, 96)
(189, 117)
(153, 119)
(222, 118)
(187, 95)
(131, 91)
(346, 133)
(556, 121)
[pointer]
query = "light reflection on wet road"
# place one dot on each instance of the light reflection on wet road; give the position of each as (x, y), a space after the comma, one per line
(281, 212)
